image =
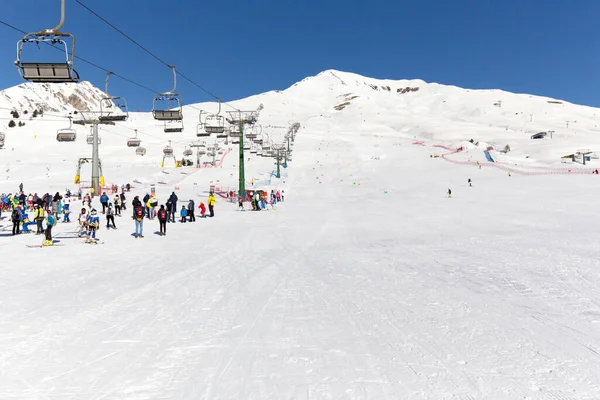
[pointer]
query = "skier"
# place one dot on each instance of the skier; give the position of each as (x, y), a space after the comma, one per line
(282, 195)
(162, 220)
(449, 193)
(173, 199)
(39, 218)
(138, 212)
(211, 204)
(93, 223)
(202, 210)
(169, 210)
(190, 211)
(82, 219)
(145, 203)
(16, 220)
(50, 222)
(241, 203)
(104, 199)
(183, 213)
(117, 202)
(470, 183)
(66, 207)
(110, 216)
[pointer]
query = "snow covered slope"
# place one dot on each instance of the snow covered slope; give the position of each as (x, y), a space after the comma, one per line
(367, 282)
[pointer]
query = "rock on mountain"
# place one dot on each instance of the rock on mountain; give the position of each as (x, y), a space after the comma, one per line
(63, 98)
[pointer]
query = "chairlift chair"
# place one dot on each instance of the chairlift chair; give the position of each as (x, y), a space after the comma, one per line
(2, 138)
(49, 72)
(173, 128)
(201, 151)
(67, 134)
(134, 141)
(246, 146)
(140, 151)
(235, 141)
(165, 99)
(168, 150)
(215, 123)
(109, 104)
(187, 152)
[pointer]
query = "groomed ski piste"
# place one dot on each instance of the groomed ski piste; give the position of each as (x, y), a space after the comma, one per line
(367, 282)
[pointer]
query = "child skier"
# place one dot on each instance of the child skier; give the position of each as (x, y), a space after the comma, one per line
(82, 219)
(202, 210)
(93, 223)
(183, 214)
(50, 222)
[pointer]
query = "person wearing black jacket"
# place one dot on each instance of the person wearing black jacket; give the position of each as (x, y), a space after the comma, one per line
(173, 198)
(190, 211)
(162, 215)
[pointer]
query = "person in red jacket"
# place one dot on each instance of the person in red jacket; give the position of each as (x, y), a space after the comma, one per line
(202, 209)
(162, 220)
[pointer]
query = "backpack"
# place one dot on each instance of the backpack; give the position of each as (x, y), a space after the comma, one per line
(15, 215)
(162, 214)
(139, 213)
(51, 220)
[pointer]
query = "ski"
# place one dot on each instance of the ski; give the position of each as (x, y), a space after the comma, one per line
(41, 245)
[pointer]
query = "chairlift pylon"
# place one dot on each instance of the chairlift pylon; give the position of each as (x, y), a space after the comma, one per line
(165, 99)
(67, 134)
(49, 72)
(134, 141)
(112, 103)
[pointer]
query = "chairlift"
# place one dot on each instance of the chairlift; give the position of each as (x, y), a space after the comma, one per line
(166, 113)
(200, 131)
(246, 146)
(235, 141)
(215, 123)
(49, 72)
(201, 151)
(253, 150)
(2, 138)
(140, 151)
(67, 134)
(253, 134)
(168, 150)
(187, 152)
(173, 126)
(134, 141)
(222, 135)
(110, 104)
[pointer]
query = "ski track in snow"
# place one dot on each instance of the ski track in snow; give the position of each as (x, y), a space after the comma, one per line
(366, 283)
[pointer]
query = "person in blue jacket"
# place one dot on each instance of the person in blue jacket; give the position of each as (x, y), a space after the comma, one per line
(183, 214)
(104, 199)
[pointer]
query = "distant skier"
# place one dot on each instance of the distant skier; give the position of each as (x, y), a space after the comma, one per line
(138, 213)
(449, 193)
(211, 204)
(50, 222)
(93, 223)
(162, 220)
(104, 199)
(190, 211)
(470, 183)
(183, 214)
(110, 217)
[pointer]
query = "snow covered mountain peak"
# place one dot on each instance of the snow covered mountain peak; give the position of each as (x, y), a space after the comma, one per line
(63, 98)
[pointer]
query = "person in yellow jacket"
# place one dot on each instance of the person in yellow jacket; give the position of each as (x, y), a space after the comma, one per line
(39, 218)
(211, 203)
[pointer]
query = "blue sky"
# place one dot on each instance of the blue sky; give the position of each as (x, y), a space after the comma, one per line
(242, 47)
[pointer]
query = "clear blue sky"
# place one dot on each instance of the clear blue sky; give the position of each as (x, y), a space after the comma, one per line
(237, 48)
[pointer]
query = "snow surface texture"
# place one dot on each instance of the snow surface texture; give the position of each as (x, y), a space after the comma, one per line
(366, 283)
